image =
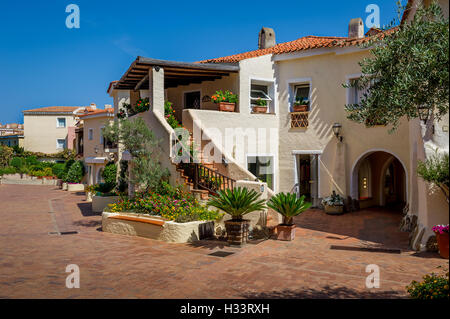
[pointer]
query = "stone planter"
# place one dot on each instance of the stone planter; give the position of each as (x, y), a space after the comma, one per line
(237, 231)
(64, 186)
(285, 232)
(334, 210)
(227, 107)
(300, 108)
(259, 109)
(442, 240)
(153, 227)
(75, 187)
(99, 203)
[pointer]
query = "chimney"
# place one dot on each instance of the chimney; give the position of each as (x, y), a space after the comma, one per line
(93, 106)
(356, 28)
(108, 106)
(266, 38)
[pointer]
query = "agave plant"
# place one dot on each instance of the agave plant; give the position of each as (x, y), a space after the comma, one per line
(237, 202)
(288, 205)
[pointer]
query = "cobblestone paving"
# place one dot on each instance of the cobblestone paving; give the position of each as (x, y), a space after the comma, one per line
(33, 258)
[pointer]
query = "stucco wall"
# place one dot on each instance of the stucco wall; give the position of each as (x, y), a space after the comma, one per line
(89, 145)
(41, 132)
(326, 74)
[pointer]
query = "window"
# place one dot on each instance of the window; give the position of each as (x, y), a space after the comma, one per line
(263, 90)
(262, 167)
(61, 122)
(301, 92)
(60, 143)
(90, 134)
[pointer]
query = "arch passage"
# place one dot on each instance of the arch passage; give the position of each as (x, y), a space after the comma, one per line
(379, 178)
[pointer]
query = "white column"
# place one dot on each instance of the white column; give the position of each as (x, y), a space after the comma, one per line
(156, 88)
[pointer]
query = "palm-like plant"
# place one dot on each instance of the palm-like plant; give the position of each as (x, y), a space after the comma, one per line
(288, 205)
(237, 202)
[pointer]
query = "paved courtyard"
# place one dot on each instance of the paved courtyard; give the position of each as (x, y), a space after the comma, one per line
(33, 260)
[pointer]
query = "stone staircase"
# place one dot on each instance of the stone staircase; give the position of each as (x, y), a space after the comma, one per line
(202, 178)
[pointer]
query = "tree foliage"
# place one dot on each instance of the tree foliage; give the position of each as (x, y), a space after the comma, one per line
(6, 154)
(408, 69)
(435, 170)
(139, 140)
(75, 173)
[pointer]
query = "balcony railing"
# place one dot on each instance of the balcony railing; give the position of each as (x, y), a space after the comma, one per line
(299, 119)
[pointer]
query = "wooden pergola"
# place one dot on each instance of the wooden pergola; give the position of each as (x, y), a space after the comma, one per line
(175, 73)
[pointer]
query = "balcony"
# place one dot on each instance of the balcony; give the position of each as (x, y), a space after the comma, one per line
(299, 119)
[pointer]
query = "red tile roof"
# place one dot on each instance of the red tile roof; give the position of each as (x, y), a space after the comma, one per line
(305, 43)
(54, 109)
(96, 112)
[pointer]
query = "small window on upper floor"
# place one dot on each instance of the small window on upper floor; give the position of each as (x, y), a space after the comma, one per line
(261, 100)
(61, 122)
(301, 98)
(90, 134)
(61, 144)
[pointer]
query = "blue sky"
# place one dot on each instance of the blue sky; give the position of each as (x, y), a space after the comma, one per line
(43, 63)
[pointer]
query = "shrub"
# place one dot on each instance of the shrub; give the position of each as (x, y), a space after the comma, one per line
(75, 173)
(58, 170)
(31, 160)
(109, 174)
(432, 287)
(17, 162)
(435, 170)
(7, 170)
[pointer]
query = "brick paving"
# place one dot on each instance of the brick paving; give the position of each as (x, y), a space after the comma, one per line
(33, 262)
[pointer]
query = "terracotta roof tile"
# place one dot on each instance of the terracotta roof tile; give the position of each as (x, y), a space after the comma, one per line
(54, 109)
(305, 43)
(98, 111)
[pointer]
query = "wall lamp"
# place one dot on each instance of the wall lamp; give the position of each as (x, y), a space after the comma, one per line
(337, 131)
(424, 113)
(96, 149)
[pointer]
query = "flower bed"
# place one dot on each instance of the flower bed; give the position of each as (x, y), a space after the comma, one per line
(167, 202)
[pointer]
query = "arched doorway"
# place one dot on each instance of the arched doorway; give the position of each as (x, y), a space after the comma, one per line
(379, 178)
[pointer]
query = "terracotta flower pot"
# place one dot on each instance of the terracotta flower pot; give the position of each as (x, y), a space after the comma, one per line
(259, 109)
(227, 107)
(334, 210)
(285, 232)
(237, 231)
(442, 240)
(300, 108)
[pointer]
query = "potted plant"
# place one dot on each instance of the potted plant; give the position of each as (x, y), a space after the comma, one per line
(301, 104)
(237, 203)
(441, 232)
(334, 204)
(227, 101)
(289, 206)
(259, 106)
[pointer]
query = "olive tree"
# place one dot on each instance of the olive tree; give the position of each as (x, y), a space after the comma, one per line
(407, 71)
(139, 140)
